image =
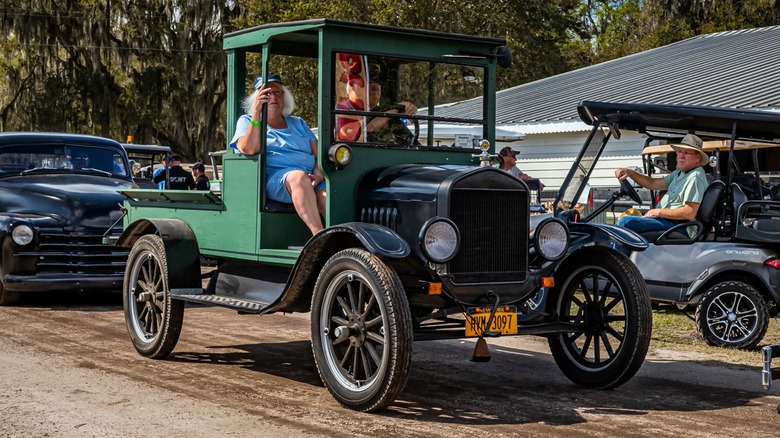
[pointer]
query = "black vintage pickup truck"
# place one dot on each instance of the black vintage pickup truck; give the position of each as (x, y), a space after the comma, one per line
(58, 196)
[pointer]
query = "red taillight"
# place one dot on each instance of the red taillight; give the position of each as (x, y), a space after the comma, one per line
(657, 199)
(775, 263)
(590, 200)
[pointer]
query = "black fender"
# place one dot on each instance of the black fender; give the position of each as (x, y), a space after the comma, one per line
(375, 239)
(622, 239)
(181, 248)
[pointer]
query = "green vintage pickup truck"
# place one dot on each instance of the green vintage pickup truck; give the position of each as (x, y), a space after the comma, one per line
(423, 238)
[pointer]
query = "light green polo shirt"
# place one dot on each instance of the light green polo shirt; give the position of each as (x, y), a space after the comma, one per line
(683, 187)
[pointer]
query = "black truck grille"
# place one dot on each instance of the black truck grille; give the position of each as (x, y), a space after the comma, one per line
(84, 254)
(493, 228)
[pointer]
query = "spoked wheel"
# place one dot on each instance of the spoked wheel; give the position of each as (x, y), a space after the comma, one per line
(732, 314)
(603, 293)
(361, 330)
(153, 319)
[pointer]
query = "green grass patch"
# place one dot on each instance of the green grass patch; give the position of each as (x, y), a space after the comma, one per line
(673, 330)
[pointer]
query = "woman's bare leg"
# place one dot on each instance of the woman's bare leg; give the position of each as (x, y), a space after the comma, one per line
(304, 199)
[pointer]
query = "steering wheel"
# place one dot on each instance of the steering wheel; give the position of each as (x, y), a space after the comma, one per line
(400, 131)
(628, 190)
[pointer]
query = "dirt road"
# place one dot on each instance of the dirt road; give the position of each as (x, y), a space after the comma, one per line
(70, 370)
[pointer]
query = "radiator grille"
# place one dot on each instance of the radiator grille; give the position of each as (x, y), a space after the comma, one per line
(70, 254)
(493, 226)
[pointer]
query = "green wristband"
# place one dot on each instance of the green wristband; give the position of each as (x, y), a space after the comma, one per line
(254, 122)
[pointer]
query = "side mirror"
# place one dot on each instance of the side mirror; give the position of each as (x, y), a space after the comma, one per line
(504, 57)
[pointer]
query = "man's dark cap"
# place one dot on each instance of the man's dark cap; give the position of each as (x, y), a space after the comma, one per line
(508, 152)
(175, 157)
(199, 166)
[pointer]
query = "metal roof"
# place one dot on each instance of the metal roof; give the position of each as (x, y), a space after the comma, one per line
(734, 69)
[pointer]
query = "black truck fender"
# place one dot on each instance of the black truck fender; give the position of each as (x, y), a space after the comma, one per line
(375, 239)
(181, 248)
(622, 239)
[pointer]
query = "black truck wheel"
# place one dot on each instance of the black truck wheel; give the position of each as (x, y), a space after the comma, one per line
(8, 297)
(602, 292)
(732, 314)
(153, 319)
(361, 330)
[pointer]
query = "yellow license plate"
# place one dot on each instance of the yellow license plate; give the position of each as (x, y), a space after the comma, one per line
(504, 321)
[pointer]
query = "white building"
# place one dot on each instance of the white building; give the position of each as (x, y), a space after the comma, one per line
(735, 69)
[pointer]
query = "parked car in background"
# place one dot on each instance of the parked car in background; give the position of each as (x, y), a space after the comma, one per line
(727, 266)
(58, 197)
(144, 158)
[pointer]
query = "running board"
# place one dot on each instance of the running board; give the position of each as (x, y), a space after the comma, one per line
(242, 305)
(768, 373)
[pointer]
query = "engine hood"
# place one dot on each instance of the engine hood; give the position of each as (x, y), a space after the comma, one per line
(421, 182)
(76, 201)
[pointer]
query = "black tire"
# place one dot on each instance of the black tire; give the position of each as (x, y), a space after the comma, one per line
(153, 319)
(615, 317)
(361, 330)
(732, 314)
(8, 297)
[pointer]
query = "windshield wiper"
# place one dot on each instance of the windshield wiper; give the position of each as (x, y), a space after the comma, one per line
(100, 171)
(34, 169)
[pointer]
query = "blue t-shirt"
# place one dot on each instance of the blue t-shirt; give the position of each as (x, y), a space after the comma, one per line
(161, 184)
(288, 148)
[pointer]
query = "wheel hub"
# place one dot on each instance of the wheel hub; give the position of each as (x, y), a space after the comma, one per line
(594, 318)
(357, 330)
(732, 316)
(146, 297)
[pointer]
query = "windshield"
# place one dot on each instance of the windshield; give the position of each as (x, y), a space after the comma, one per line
(388, 101)
(577, 180)
(15, 160)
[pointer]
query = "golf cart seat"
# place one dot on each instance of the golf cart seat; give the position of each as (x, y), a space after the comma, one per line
(706, 217)
(754, 221)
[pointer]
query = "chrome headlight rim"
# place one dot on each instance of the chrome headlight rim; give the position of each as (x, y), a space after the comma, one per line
(433, 225)
(547, 239)
(22, 234)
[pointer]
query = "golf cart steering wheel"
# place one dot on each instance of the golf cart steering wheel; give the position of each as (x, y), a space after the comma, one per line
(401, 132)
(628, 190)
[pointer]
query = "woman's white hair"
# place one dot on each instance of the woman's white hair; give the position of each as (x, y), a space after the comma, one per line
(289, 101)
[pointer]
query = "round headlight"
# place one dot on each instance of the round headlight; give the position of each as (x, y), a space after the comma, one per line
(440, 240)
(22, 235)
(551, 239)
(340, 154)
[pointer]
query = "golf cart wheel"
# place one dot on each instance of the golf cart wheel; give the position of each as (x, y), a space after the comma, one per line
(732, 314)
(602, 292)
(153, 319)
(361, 330)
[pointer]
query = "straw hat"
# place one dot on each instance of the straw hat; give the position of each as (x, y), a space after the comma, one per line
(692, 141)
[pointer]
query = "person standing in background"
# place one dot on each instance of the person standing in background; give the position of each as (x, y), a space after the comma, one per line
(509, 164)
(178, 178)
(159, 170)
(201, 180)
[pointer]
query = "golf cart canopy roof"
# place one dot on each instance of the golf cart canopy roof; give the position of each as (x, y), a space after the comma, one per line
(678, 120)
(711, 146)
